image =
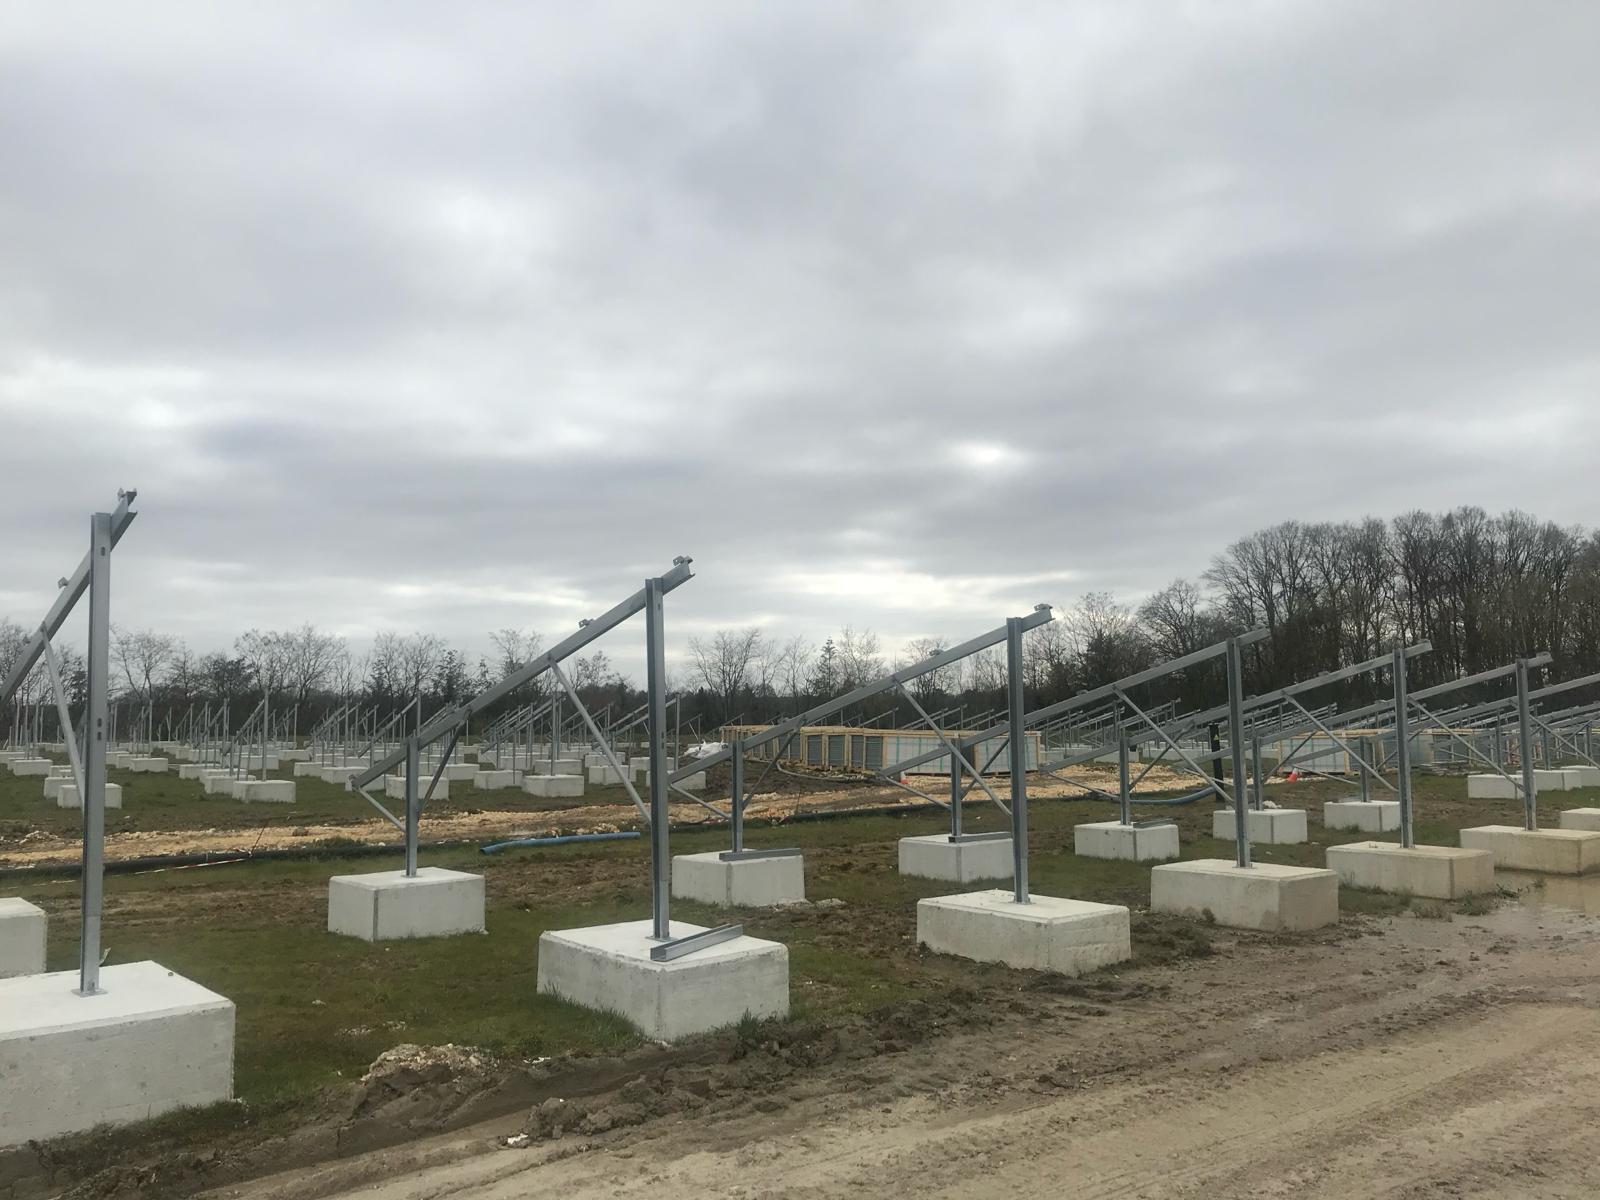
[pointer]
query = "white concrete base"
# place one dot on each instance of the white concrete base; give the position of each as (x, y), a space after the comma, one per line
(1587, 819)
(31, 766)
(1551, 780)
(1581, 776)
(489, 781)
(1437, 872)
(339, 775)
(153, 1042)
(295, 755)
(1267, 826)
(386, 905)
(1368, 816)
(935, 856)
(217, 783)
(192, 770)
(1266, 896)
(553, 785)
(394, 787)
(461, 772)
(22, 938)
(1490, 787)
(1068, 937)
(561, 766)
(265, 791)
(740, 883)
(67, 796)
(302, 770)
(148, 766)
(605, 775)
(1555, 851)
(52, 786)
(693, 783)
(609, 967)
(1113, 839)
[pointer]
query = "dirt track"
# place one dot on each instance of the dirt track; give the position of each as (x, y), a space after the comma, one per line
(1399, 1057)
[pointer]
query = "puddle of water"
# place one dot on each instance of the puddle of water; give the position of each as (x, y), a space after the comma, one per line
(1554, 893)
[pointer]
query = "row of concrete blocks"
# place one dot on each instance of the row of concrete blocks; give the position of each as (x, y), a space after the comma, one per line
(217, 782)
(610, 967)
(1557, 779)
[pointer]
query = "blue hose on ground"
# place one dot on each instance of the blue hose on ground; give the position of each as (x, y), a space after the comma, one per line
(560, 840)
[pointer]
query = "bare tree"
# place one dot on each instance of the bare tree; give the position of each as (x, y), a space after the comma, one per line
(262, 652)
(309, 658)
(859, 658)
(723, 663)
(931, 686)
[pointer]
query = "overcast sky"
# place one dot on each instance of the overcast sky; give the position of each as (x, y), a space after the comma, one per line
(460, 316)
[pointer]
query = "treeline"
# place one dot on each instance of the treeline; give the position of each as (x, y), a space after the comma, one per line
(1482, 589)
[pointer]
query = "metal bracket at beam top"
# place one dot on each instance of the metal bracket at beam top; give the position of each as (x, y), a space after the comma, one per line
(963, 838)
(706, 938)
(754, 855)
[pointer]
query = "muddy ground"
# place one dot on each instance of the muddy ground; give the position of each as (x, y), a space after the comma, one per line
(1415, 1050)
(1397, 1056)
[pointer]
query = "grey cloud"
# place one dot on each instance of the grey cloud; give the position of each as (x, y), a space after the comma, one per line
(471, 316)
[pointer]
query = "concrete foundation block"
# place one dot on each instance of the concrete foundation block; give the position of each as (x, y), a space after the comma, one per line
(1581, 777)
(339, 775)
(302, 770)
(1136, 843)
(553, 785)
(148, 765)
(191, 770)
(605, 775)
(387, 905)
(1437, 872)
(1266, 896)
(394, 787)
(1587, 819)
(489, 781)
(1552, 780)
(31, 766)
(461, 772)
(935, 856)
(153, 1042)
(23, 930)
(608, 967)
(561, 766)
(1490, 787)
(1555, 851)
(739, 883)
(693, 783)
(295, 755)
(52, 786)
(1268, 826)
(217, 783)
(1368, 816)
(265, 791)
(67, 796)
(1068, 937)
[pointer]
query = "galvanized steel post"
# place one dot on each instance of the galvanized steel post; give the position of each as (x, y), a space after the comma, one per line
(413, 815)
(656, 696)
(1019, 761)
(1241, 806)
(1402, 748)
(1530, 794)
(98, 675)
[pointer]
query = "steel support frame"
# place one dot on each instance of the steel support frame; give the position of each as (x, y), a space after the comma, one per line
(93, 576)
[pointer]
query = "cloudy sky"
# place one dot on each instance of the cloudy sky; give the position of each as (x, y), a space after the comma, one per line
(908, 315)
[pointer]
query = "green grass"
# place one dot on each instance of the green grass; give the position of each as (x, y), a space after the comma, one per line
(314, 1008)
